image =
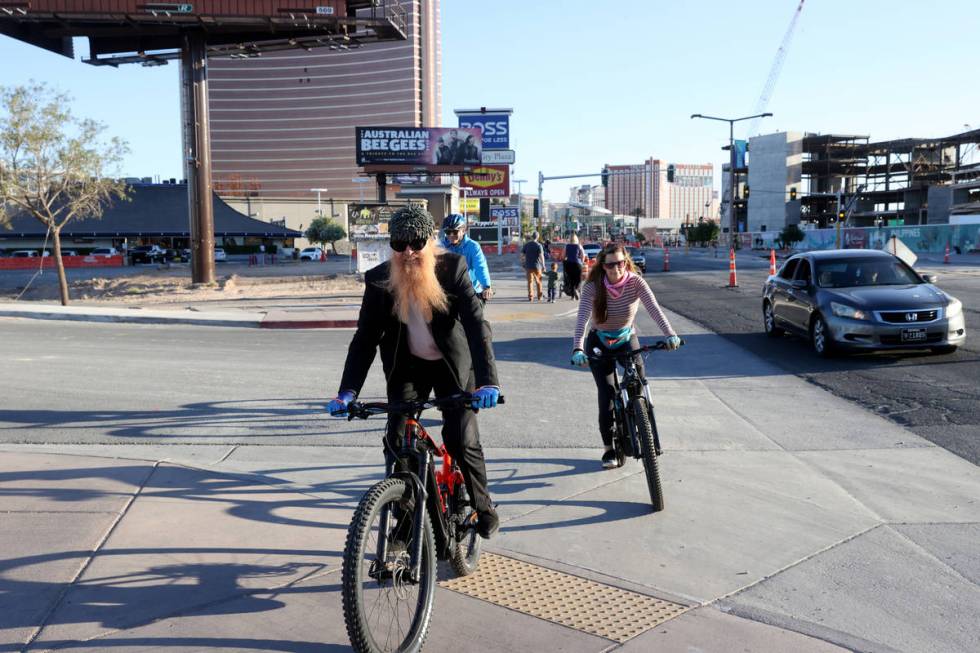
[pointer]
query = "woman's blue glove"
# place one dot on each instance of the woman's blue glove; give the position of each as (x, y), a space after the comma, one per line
(486, 397)
(673, 342)
(338, 407)
(579, 358)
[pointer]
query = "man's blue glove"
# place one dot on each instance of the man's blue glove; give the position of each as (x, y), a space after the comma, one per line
(579, 358)
(673, 342)
(338, 407)
(486, 397)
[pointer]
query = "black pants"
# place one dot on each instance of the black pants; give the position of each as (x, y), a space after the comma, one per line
(602, 372)
(573, 277)
(416, 380)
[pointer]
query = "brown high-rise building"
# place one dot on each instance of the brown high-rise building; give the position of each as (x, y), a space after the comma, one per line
(283, 123)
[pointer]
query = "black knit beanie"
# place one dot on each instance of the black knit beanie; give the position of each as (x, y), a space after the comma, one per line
(411, 223)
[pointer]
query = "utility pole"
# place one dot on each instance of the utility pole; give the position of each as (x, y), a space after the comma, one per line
(732, 220)
(197, 155)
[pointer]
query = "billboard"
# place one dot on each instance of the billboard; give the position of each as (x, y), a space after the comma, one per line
(487, 181)
(422, 146)
(509, 216)
(494, 126)
(368, 219)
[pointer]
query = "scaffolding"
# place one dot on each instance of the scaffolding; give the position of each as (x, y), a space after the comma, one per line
(889, 181)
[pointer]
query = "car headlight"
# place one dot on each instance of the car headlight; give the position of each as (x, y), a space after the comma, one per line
(843, 310)
(954, 308)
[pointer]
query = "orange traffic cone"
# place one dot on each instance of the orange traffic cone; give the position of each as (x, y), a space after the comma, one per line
(666, 259)
(732, 279)
(772, 262)
(946, 255)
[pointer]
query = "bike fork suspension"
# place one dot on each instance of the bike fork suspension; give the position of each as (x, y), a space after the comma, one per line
(656, 434)
(418, 526)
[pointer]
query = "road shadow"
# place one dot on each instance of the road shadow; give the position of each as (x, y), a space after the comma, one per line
(248, 418)
(157, 592)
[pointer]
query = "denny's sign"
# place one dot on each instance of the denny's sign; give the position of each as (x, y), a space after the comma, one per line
(487, 181)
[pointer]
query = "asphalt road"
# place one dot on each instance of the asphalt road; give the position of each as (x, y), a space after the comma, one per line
(936, 396)
(67, 382)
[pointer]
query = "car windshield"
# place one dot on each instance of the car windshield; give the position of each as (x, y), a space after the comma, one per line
(850, 273)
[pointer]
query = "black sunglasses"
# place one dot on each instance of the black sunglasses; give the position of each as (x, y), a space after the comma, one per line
(451, 232)
(614, 264)
(417, 245)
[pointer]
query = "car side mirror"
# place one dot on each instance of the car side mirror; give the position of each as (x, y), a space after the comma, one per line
(930, 278)
(800, 284)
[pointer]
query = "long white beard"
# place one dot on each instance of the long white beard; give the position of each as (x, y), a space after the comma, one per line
(414, 283)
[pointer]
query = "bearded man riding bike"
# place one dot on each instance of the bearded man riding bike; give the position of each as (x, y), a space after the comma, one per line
(421, 311)
(610, 300)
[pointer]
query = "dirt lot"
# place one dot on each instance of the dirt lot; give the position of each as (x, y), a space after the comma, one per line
(161, 287)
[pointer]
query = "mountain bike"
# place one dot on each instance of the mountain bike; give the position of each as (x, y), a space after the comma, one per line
(634, 426)
(419, 513)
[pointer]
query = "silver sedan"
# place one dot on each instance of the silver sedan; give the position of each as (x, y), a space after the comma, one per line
(859, 300)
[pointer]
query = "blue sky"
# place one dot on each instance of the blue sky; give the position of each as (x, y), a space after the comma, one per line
(603, 82)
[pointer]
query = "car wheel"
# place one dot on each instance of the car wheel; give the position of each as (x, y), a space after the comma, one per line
(823, 344)
(769, 321)
(944, 349)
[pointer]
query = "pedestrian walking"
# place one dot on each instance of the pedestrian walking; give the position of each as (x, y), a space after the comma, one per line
(552, 276)
(533, 254)
(574, 260)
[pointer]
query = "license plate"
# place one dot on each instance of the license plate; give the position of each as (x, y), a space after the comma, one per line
(913, 335)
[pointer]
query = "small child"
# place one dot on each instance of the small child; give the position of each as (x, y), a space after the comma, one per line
(552, 275)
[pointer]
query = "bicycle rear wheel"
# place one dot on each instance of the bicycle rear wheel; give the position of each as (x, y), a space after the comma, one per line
(645, 430)
(384, 609)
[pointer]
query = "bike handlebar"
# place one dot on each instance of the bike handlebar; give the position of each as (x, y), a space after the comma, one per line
(659, 345)
(363, 410)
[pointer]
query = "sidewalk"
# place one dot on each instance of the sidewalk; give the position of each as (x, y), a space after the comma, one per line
(781, 533)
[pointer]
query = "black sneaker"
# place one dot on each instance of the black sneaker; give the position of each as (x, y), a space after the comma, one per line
(610, 460)
(487, 523)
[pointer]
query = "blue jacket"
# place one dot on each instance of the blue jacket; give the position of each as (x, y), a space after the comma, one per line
(475, 261)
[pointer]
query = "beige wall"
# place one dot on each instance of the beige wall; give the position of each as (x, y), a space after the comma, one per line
(298, 213)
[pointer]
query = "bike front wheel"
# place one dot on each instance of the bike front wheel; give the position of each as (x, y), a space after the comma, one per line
(645, 426)
(385, 609)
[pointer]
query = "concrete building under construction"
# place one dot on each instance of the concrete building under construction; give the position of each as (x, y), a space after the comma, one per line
(796, 177)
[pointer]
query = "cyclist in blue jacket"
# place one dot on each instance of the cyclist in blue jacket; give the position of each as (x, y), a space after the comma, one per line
(455, 240)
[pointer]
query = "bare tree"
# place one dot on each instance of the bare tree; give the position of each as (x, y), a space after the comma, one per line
(54, 166)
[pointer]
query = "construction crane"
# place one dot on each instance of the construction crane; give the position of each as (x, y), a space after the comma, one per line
(777, 67)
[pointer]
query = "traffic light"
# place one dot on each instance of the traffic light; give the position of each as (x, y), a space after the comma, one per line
(792, 194)
(605, 177)
(745, 192)
(670, 173)
(537, 209)
(841, 215)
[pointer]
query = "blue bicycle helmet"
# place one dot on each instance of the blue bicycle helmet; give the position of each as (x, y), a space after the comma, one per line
(454, 221)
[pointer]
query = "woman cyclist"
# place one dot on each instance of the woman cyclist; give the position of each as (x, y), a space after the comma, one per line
(611, 298)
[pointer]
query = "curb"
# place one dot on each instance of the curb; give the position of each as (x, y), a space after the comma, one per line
(307, 324)
(248, 322)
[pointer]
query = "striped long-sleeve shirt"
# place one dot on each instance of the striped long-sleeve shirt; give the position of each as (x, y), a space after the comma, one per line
(621, 311)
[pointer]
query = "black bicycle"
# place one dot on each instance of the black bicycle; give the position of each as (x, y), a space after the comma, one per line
(419, 513)
(634, 426)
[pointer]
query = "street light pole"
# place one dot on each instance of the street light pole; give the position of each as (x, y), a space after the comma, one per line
(520, 205)
(360, 188)
(732, 223)
(319, 209)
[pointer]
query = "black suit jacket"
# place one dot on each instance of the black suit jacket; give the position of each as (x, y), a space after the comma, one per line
(462, 335)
